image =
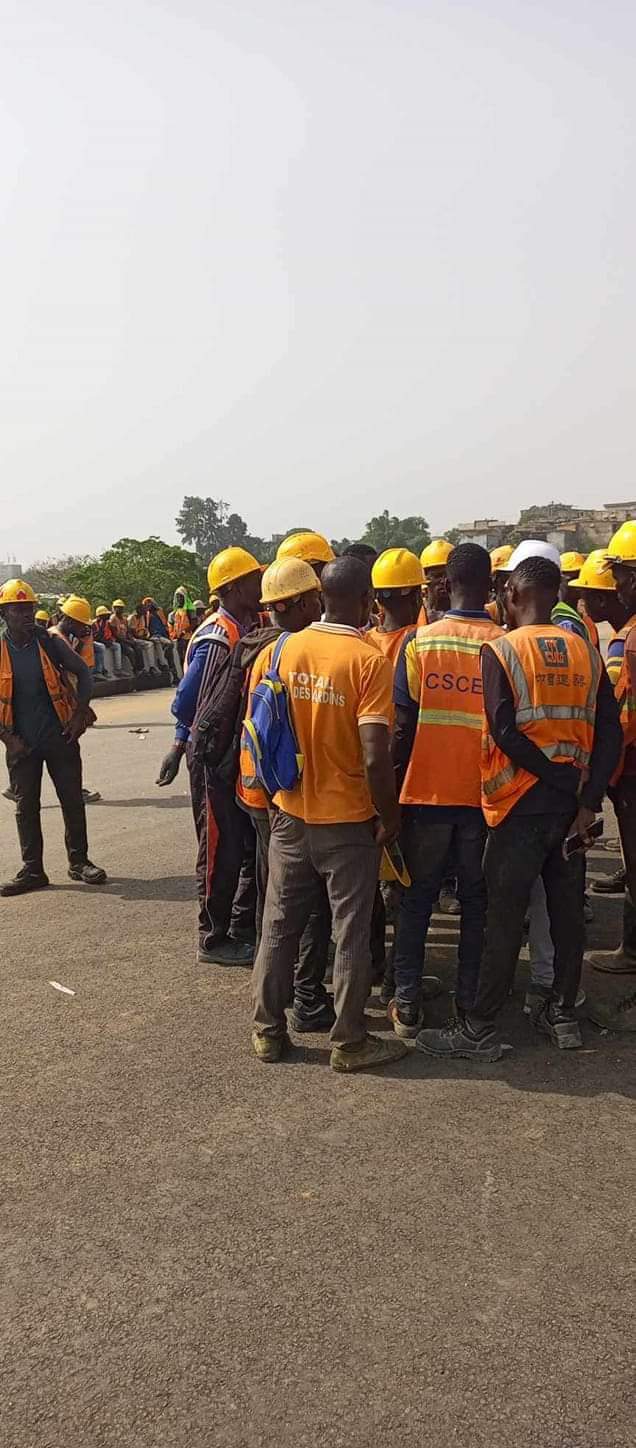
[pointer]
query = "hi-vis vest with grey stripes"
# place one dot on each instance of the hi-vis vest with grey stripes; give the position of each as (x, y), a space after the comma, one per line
(554, 677)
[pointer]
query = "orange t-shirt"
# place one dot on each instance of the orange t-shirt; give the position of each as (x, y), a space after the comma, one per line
(336, 681)
(390, 643)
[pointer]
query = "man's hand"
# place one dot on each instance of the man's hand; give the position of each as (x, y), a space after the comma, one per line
(581, 825)
(78, 724)
(15, 746)
(387, 831)
(170, 765)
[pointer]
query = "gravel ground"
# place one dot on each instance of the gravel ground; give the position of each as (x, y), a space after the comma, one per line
(197, 1249)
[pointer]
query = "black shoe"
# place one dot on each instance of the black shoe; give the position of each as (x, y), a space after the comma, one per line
(24, 883)
(90, 796)
(560, 1025)
(459, 1038)
(87, 874)
(609, 885)
(227, 952)
(321, 1020)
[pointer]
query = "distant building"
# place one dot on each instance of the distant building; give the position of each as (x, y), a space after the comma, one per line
(568, 528)
(10, 570)
(488, 532)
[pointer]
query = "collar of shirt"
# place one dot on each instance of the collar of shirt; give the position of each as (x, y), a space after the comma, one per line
(339, 628)
(467, 613)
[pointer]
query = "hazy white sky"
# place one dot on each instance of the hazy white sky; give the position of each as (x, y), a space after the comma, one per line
(316, 257)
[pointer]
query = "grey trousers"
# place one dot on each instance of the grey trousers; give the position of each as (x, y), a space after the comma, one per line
(346, 858)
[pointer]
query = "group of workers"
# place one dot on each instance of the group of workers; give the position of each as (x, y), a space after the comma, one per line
(114, 643)
(453, 723)
(457, 703)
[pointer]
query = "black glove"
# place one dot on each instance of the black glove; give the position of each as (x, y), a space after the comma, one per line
(170, 765)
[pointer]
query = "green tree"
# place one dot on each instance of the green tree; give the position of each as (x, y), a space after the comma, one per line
(387, 531)
(50, 575)
(209, 525)
(134, 567)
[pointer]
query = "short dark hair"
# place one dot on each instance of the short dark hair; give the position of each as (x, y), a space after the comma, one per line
(345, 579)
(540, 574)
(363, 551)
(469, 567)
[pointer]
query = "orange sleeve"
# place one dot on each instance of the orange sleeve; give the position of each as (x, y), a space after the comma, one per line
(375, 702)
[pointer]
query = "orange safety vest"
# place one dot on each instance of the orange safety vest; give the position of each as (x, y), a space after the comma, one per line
(444, 765)
(82, 647)
(554, 676)
(592, 631)
(422, 617)
(231, 629)
(624, 693)
(62, 698)
(495, 611)
(181, 627)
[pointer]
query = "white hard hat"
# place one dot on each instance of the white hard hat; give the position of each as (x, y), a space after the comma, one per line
(532, 548)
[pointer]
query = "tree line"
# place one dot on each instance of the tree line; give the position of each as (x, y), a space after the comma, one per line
(134, 567)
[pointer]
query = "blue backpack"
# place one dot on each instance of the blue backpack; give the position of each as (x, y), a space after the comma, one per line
(268, 735)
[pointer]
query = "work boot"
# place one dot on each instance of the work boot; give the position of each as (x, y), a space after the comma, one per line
(621, 1016)
(87, 874)
(227, 952)
(537, 995)
(612, 962)
(460, 1039)
(560, 1025)
(11, 795)
(24, 882)
(610, 884)
(270, 1048)
(323, 1018)
(370, 1052)
(406, 1020)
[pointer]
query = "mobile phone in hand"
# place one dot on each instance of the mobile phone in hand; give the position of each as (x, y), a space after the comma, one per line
(574, 843)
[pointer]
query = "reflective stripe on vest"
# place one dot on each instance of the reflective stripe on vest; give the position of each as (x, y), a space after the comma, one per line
(538, 661)
(444, 765)
(61, 696)
(220, 620)
(623, 690)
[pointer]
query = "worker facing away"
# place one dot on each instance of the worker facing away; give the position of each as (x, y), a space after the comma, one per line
(331, 826)
(436, 751)
(291, 596)
(41, 720)
(550, 745)
(225, 835)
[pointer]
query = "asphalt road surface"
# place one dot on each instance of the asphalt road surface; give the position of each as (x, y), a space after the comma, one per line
(198, 1249)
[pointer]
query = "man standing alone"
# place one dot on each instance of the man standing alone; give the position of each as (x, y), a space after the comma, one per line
(41, 720)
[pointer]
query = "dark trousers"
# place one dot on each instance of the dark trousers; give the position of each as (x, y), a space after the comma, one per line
(310, 995)
(64, 764)
(428, 835)
(518, 850)
(624, 800)
(226, 859)
(344, 858)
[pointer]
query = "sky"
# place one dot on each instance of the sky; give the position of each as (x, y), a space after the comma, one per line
(315, 257)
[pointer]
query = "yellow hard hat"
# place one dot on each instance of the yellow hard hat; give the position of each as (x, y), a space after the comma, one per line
(397, 568)
(102, 611)
(77, 608)
(595, 572)
(286, 578)
(622, 547)
(500, 557)
(16, 591)
(41, 615)
(572, 562)
(118, 603)
(230, 564)
(312, 547)
(436, 553)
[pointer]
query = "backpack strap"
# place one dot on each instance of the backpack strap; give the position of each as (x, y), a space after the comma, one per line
(278, 649)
